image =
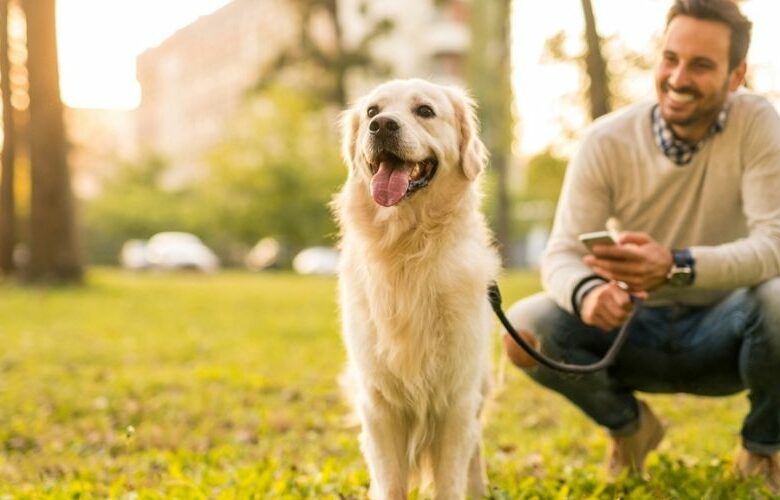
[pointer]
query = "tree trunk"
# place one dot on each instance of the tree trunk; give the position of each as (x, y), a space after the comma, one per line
(7, 212)
(53, 248)
(489, 76)
(503, 152)
(340, 68)
(500, 164)
(596, 66)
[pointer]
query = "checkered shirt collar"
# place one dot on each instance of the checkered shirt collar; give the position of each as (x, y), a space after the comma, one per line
(677, 150)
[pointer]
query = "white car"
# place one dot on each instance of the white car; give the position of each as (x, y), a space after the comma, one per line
(264, 255)
(317, 260)
(176, 250)
(133, 255)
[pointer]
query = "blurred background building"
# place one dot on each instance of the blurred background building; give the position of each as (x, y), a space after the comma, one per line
(225, 125)
(194, 81)
(99, 137)
(429, 39)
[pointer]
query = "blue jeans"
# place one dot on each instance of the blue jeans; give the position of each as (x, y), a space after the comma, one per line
(715, 350)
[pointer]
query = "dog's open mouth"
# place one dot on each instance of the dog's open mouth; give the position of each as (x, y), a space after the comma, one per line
(394, 178)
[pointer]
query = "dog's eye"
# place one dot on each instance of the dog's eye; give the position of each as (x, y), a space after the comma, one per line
(424, 111)
(372, 111)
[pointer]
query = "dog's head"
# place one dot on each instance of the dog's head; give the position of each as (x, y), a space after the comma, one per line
(409, 134)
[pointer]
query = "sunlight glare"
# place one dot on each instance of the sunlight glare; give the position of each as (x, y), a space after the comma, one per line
(100, 39)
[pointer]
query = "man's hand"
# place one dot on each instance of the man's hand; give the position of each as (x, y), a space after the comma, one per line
(637, 260)
(607, 306)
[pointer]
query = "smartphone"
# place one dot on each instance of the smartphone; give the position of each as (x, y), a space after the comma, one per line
(596, 238)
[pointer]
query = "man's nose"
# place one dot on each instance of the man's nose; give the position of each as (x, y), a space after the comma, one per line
(679, 77)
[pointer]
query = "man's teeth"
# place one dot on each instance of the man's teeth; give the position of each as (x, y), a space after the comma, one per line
(679, 97)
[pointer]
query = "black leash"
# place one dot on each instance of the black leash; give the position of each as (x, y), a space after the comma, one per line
(494, 295)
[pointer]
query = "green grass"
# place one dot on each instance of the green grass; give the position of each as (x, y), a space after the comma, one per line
(189, 386)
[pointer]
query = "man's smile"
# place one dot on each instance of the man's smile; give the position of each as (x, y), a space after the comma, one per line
(679, 97)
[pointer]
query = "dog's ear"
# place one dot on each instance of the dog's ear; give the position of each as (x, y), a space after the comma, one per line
(349, 122)
(473, 154)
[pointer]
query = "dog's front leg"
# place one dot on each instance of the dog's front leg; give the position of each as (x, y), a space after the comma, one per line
(384, 440)
(453, 451)
(477, 478)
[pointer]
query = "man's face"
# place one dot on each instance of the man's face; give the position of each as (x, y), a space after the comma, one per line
(692, 78)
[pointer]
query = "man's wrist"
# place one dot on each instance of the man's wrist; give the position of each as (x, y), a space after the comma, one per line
(683, 270)
(583, 288)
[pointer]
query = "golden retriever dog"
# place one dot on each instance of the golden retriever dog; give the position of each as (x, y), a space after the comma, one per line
(416, 260)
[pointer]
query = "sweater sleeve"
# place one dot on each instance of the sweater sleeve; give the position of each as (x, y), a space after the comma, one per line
(584, 206)
(751, 260)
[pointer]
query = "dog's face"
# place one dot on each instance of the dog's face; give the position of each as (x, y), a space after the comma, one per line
(409, 134)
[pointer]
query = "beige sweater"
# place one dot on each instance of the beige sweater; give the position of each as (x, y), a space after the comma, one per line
(724, 205)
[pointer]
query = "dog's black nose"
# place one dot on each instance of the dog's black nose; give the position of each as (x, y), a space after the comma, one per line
(383, 123)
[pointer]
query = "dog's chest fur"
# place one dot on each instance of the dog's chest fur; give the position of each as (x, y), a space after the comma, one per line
(419, 354)
(423, 316)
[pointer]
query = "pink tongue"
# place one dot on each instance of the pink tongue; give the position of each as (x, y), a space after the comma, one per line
(389, 184)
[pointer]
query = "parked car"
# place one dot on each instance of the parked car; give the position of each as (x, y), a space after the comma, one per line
(317, 260)
(133, 255)
(177, 250)
(265, 254)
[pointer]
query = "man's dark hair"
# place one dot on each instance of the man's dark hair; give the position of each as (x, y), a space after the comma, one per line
(725, 11)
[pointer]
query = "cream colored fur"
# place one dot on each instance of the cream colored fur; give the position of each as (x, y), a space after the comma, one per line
(413, 281)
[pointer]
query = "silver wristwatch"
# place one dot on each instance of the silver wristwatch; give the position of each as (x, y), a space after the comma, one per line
(682, 272)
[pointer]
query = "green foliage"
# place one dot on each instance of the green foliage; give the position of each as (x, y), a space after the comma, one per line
(535, 204)
(224, 386)
(276, 172)
(544, 176)
(272, 176)
(133, 204)
(320, 67)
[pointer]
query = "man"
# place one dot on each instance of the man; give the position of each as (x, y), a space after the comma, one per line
(694, 178)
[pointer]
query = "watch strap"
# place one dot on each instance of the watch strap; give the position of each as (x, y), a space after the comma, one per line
(682, 257)
(683, 271)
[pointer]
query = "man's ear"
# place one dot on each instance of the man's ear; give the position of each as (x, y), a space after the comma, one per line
(473, 155)
(737, 76)
(349, 122)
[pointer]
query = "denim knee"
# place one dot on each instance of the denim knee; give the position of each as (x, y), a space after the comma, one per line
(546, 323)
(560, 335)
(533, 313)
(767, 294)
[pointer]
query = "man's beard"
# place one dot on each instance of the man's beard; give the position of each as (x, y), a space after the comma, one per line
(706, 114)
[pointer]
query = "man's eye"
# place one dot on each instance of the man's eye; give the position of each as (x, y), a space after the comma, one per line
(372, 111)
(424, 111)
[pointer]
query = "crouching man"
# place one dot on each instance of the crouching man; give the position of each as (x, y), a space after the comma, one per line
(694, 179)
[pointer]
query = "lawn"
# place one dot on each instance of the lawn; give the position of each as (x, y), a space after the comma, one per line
(190, 386)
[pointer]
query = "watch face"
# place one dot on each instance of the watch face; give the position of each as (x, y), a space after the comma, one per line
(680, 276)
